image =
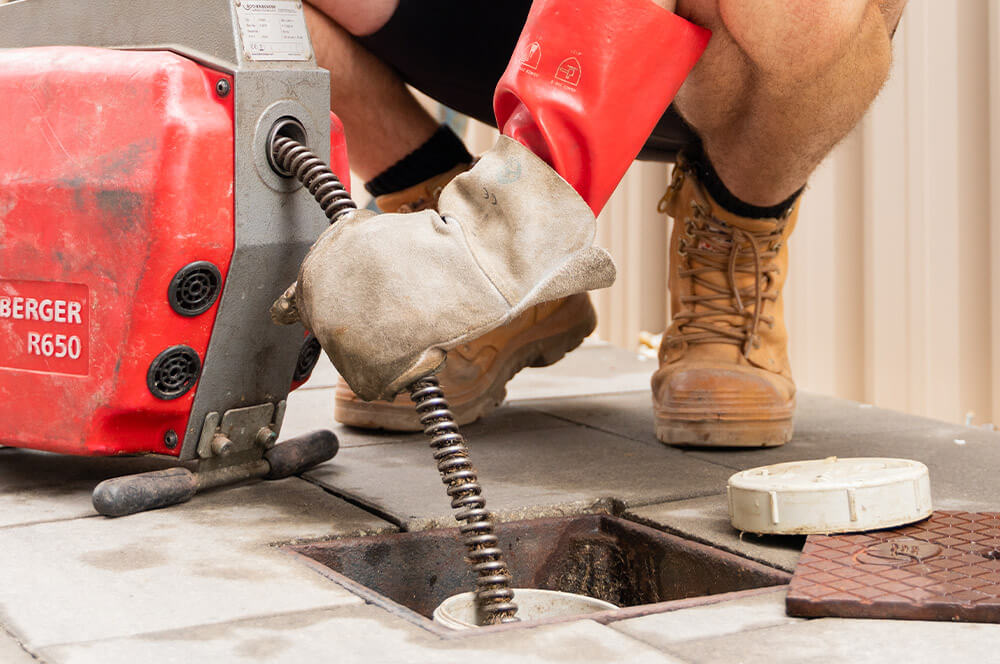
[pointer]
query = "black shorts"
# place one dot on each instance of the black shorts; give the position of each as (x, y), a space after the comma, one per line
(455, 52)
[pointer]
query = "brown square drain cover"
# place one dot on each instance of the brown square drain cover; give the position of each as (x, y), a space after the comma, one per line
(944, 568)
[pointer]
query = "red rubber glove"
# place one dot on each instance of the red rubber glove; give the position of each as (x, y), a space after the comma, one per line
(588, 81)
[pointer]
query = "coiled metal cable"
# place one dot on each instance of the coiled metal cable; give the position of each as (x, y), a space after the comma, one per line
(317, 177)
(494, 596)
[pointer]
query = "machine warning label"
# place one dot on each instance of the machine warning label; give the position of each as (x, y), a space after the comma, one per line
(273, 30)
(44, 326)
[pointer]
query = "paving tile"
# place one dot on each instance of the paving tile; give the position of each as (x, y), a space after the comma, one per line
(707, 520)
(833, 640)
(306, 413)
(629, 415)
(308, 410)
(713, 620)
(817, 414)
(594, 368)
(208, 560)
(38, 486)
(542, 472)
(312, 409)
(144, 588)
(363, 634)
(818, 419)
(962, 474)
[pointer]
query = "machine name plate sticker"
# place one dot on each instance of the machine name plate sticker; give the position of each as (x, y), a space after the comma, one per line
(273, 30)
(44, 326)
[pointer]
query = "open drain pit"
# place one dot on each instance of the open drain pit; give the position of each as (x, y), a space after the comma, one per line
(604, 557)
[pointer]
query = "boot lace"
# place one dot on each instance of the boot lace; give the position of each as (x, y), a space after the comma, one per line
(709, 245)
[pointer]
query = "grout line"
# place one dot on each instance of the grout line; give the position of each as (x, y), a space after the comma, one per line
(646, 642)
(652, 502)
(793, 621)
(638, 639)
(586, 425)
(42, 522)
(680, 532)
(367, 507)
(397, 441)
(561, 397)
(625, 436)
(329, 608)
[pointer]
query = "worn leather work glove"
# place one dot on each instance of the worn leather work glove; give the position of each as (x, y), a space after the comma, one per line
(388, 295)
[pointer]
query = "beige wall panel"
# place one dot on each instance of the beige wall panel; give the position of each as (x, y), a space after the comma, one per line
(993, 34)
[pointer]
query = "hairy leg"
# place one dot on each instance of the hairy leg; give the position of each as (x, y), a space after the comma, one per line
(781, 83)
(382, 120)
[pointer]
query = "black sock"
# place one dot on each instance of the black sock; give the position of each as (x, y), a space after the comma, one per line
(720, 193)
(439, 154)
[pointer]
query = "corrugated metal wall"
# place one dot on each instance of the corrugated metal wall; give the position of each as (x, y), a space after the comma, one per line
(892, 295)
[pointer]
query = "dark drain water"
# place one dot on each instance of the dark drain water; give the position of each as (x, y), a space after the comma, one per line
(601, 556)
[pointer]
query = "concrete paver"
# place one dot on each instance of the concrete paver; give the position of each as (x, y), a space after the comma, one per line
(38, 486)
(209, 560)
(594, 368)
(713, 620)
(707, 520)
(541, 472)
(309, 410)
(366, 635)
(957, 456)
(203, 581)
(629, 415)
(962, 473)
(836, 641)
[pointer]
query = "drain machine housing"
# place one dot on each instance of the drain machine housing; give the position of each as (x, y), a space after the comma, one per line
(143, 234)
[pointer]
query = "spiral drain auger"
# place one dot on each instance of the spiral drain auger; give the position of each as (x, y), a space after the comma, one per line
(494, 597)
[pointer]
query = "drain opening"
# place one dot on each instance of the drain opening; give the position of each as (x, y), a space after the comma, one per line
(599, 556)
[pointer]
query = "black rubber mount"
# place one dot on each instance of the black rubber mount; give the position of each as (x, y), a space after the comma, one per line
(195, 288)
(173, 372)
(301, 453)
(308, 357)
(147, 491)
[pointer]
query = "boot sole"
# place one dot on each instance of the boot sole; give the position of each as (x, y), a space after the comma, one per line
(530, 351)
(747, 433)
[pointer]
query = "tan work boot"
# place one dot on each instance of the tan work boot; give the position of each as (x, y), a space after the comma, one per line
(422, 196)
(475, 375)
(724, 377)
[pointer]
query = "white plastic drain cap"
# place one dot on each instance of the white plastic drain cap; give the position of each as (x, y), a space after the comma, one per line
(459, 611)
(829, 496)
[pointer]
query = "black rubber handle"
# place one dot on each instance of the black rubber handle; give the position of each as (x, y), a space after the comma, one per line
(301, 453)
(145, 491)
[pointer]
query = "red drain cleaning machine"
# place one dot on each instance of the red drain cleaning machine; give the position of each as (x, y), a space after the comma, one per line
(144, 234)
